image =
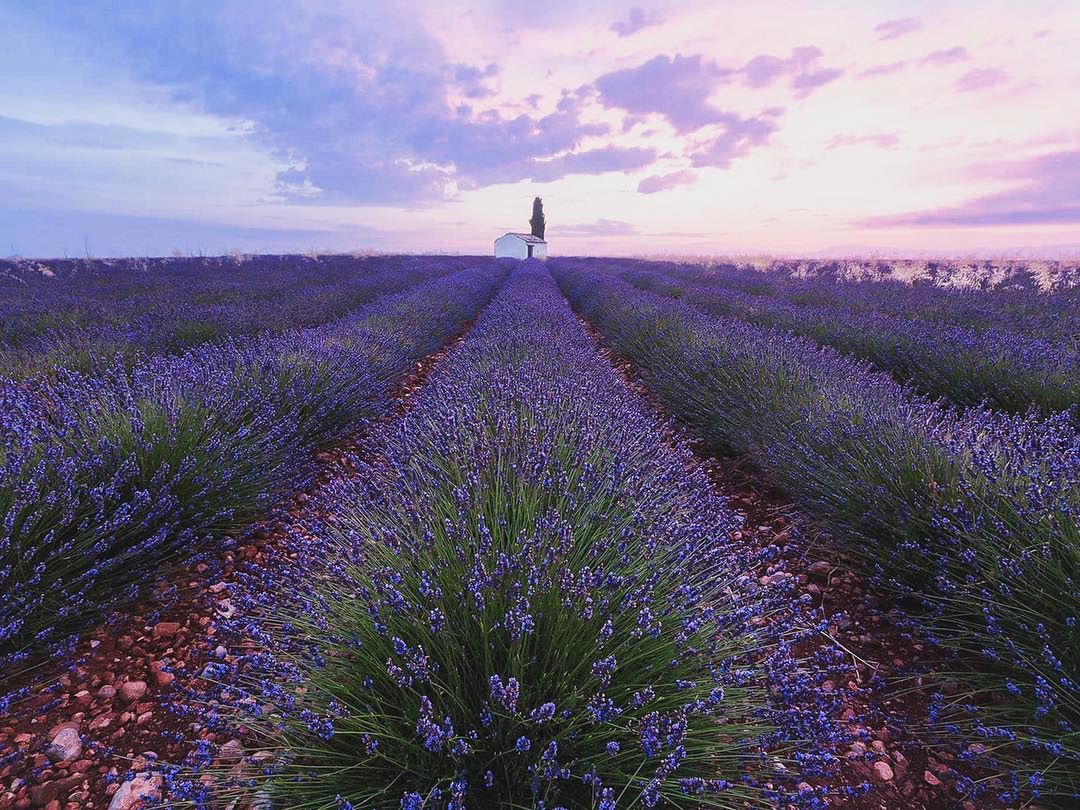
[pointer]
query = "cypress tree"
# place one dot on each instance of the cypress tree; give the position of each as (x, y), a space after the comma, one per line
(537, 221)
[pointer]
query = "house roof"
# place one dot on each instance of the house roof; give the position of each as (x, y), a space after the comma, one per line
(527, 237)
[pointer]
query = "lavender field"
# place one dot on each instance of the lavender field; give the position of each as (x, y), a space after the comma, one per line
(429, 532)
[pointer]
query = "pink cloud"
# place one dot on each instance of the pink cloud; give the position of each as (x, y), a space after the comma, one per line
(663, 182)
(947, 56)
(601, 227)
(882, 140)
(738, 137)
(891, 29)
(980, 79)
(1047, 192)
(635, 21)
(883, 70)
(801, 65)
(676, 87)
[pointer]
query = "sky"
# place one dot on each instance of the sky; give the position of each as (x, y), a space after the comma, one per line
(906, 127)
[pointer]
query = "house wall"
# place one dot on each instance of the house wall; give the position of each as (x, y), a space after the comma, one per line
(514, 248)
(510, 247)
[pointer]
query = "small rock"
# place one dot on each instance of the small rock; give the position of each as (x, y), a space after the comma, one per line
(131, 794)
(218, 588)
(820, 567)
(64, 746)
(930, 779)
(102, 722)
(231, 751)
(41, 795)
(882, 771)
(106, 692)
(166, 629)
(132, 691)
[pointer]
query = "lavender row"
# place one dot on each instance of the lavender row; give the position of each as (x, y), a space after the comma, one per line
(996, 367)
(105, 478)
(528, 601)
(983, 296)
(972, 516)
(162, 306)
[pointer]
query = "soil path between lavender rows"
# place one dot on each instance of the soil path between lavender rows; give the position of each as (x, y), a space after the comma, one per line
(880, 684)
(120, 690)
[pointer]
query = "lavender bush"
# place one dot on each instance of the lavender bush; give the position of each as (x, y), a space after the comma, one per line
(527, 601)
(973, 516)
(996, 365)
(69, 312)
(105, 477)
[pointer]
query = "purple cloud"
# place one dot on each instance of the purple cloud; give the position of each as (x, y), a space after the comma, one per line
(676, 87)
(979, 79)
(805, 83)
(801, 65)
(471, 79)
(368, 104)
(635, 21)
(891, 29)
(1047, 192)
(882, 140)
(947, 56)
(591, 161)
(883, 70)
(738, 137)
(663, 182)
(602, 227)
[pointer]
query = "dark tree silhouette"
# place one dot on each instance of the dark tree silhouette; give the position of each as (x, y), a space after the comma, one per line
(537, 220)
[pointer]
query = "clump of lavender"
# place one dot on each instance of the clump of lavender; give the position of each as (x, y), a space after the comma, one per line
(76, 311)
(106, 477)
(972, 515)
(1003, 361)
(528, 601)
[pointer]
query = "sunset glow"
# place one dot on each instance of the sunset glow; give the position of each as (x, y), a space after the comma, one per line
(673, 127)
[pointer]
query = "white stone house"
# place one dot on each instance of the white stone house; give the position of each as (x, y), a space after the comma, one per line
(520, 246)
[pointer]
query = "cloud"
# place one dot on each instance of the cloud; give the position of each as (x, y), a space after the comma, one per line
(979, 79)
(470, 79)
(54, 233)
(801, 65)
(891, 29)
(601, 227)
(882, 140)
(591, 161)
(883, 70)
(635, 21)
(663, 182)
(365, 107)
(805, 83)
(739, 135)
(947, 56)
(680, 87)
(1046, 191)
(676, 87)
